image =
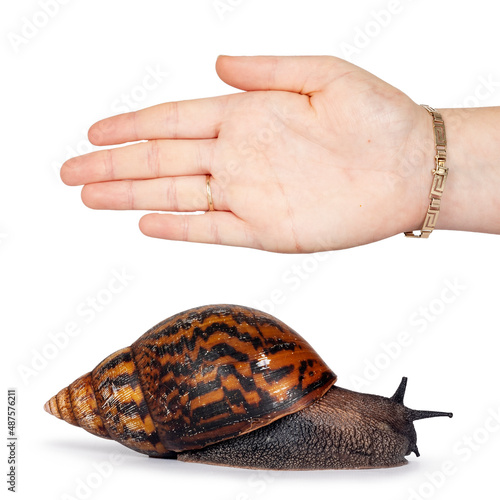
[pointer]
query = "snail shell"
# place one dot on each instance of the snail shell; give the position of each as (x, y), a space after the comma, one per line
(200, 377)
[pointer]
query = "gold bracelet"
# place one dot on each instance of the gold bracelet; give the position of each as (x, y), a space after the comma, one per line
(440, 173)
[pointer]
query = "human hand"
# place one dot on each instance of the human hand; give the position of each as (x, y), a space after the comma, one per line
(317, 155)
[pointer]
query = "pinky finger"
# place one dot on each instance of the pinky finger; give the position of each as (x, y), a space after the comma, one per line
(221, 228)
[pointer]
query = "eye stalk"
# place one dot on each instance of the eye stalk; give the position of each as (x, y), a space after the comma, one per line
(413, 415)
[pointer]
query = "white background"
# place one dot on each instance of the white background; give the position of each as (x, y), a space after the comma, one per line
(78, 66)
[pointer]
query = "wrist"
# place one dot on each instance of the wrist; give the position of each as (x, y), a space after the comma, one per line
(470, 199)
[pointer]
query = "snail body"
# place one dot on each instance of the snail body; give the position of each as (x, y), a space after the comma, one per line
(230, 385)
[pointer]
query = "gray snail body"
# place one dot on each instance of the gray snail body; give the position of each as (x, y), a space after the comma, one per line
(229, 385)
(342, 430)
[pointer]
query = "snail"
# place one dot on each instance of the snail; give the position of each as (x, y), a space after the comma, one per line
(230, 385)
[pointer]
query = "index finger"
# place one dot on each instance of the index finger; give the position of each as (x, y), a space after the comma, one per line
(194, 119)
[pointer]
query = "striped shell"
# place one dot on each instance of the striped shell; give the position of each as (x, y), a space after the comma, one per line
(197, 378)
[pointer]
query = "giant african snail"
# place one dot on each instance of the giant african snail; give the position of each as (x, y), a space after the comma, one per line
(234, 386)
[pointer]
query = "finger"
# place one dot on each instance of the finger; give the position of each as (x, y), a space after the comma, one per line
(172, 194)
(145, 160)
(222, 228)
(302, 74)
(196, 119)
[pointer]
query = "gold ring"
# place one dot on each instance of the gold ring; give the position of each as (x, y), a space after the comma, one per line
(209, 196)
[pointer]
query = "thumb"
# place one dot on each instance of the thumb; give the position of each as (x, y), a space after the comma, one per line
(302, 74)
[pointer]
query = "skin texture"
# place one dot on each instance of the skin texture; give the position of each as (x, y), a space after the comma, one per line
(342, 430)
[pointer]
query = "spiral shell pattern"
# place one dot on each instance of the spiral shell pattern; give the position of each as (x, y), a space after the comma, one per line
(200, 377)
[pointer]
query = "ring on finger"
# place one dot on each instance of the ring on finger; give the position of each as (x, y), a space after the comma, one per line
(209, 196)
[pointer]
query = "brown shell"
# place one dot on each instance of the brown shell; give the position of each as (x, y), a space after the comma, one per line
(197, 378)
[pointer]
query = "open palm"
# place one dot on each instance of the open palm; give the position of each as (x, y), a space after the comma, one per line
(318, 154)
